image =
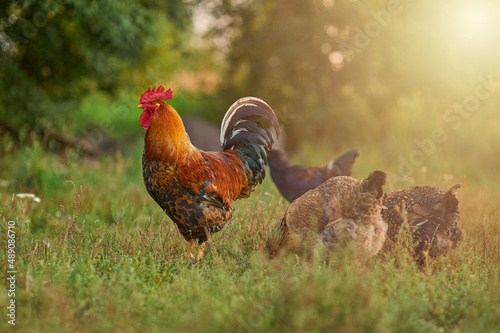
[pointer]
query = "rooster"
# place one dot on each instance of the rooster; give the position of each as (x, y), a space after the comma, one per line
(196, 189)
(341, 212)
(294, 180)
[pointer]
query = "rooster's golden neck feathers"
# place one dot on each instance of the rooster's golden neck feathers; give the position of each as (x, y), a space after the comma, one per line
(166, 138)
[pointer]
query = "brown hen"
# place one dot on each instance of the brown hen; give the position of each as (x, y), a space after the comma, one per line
(340, 212)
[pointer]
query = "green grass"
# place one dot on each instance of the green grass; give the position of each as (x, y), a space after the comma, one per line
(98, 255)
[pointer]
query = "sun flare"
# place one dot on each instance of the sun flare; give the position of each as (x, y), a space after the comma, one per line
(474, 22)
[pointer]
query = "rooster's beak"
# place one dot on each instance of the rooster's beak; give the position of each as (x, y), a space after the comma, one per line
(139, 106)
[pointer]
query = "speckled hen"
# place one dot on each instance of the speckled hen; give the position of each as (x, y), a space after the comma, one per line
(432, 214)
(196, 188)
(341, 212)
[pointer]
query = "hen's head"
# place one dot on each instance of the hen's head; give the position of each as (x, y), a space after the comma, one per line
(149, 102)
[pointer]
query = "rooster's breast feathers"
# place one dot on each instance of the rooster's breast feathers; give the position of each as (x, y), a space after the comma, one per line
(217, 177)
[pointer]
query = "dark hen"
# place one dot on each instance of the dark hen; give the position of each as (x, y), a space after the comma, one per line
(432, 214)
(294, 180)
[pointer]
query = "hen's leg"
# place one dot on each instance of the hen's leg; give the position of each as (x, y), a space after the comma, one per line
(201, 248)
(189, 249)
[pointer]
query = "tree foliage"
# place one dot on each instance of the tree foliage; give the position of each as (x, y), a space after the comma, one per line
(54, 52)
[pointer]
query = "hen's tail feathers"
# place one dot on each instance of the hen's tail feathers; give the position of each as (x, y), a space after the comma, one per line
(374, 183)
(344, 162)
(277, 237)
(241, 130)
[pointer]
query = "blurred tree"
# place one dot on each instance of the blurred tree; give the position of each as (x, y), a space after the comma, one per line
(284, 51)
(54, 52)
(336, 69)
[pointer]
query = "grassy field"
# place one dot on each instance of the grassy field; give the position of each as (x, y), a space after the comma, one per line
(96, 254)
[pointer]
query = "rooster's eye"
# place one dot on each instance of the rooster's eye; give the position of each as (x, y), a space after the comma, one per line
(152, 103)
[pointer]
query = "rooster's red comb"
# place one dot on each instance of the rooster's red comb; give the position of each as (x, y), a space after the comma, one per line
(159, 92)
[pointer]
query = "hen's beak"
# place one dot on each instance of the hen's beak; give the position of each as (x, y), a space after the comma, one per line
(139, 106)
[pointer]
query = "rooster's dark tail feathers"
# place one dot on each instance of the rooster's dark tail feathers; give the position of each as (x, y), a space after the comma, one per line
(241, 130)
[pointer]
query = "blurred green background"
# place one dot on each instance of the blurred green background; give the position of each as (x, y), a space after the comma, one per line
(411, 84)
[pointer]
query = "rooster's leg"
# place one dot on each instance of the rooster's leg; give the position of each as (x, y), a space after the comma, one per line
(201, 248)
(189, 249)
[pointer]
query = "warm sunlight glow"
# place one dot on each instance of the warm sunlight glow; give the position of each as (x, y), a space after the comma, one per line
(474, 22)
